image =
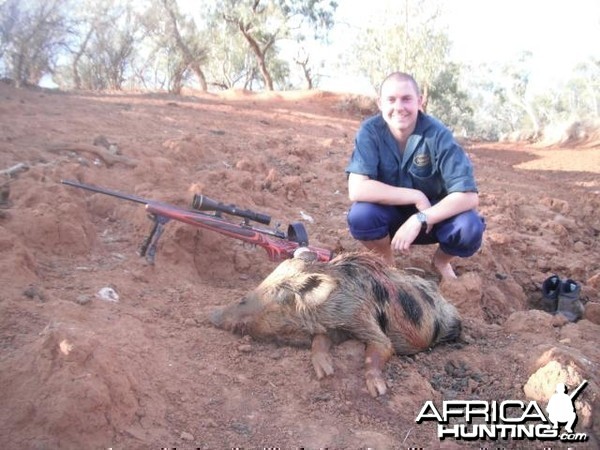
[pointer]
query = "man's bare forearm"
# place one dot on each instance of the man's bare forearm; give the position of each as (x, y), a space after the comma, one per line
(363, 189)
(451, 205)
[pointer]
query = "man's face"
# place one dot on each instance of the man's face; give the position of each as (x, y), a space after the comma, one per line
(399, 104)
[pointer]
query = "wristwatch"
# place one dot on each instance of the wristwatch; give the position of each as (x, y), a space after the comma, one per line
(421, 217)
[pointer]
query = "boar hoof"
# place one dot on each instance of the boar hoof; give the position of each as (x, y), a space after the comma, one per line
(323, 364)
(375, 384)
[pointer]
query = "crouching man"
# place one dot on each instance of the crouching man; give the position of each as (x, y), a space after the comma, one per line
(411, 183)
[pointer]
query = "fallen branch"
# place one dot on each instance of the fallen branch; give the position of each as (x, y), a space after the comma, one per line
(14, 170)
(108, 158)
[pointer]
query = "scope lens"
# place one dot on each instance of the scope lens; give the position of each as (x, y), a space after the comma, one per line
(197, 201)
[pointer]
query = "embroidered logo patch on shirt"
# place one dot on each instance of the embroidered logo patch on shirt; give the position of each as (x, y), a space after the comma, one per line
(421, 160)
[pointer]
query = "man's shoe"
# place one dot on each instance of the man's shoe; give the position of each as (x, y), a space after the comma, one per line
(550, 289)
(569, 304)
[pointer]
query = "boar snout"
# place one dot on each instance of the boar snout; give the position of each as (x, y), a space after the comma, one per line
(237, 317)
(227, 319)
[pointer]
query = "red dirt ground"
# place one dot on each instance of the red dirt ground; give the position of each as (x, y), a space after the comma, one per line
(149, 370)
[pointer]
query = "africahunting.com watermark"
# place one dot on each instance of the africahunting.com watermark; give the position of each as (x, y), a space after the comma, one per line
(509, 419)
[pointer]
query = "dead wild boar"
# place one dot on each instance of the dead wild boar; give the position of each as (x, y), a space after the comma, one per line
(355, 295)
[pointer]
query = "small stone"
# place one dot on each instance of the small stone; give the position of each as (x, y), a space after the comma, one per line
(83, 299)
(34, 293)
(187, 436)
(108, 294)
(209, 423)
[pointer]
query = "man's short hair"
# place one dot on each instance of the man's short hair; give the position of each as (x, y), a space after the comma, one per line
(400, 76)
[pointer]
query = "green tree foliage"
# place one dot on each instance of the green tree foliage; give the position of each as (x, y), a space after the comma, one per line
(265, 23)
(102, 47)
(32, 34)
(506, 106)
(405, 36)
(183, 42)
(513, 90)
(497, 111)
(273, 44)
(584, 89)
(230, 63)
(449, 102)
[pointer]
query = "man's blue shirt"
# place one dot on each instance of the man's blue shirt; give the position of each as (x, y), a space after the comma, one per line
(432, 161)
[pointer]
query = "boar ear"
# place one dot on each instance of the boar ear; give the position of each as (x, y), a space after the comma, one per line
(313, 289)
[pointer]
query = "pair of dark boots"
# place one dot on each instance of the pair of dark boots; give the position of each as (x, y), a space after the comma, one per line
(562, 297)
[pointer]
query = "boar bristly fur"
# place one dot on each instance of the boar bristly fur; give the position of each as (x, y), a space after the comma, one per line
(355, 295)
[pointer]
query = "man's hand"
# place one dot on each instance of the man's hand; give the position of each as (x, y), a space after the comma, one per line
(407, 234)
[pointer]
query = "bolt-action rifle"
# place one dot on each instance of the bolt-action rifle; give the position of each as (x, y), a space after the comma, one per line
(207, 213)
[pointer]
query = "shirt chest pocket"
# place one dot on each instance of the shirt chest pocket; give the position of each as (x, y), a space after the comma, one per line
(421, 166)
(425, 176)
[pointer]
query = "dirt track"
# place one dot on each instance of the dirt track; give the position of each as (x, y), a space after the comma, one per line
(149, 370)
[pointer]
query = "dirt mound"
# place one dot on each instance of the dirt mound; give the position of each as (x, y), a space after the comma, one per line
(579, 133)
(143, 367)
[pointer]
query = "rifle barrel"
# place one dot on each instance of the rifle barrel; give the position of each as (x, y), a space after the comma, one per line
(121, 195)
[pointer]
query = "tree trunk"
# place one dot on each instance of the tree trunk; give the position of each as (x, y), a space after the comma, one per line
(187, 55)
(201, 78)
(176, 83)
(260, 56)
(306, 70)
(78, 55)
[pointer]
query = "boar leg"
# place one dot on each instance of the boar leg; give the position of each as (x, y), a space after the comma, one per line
(321, 356)
(376, 356)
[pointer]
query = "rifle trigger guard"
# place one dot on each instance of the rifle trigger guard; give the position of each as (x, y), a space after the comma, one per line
(248, 245)
(297, 233)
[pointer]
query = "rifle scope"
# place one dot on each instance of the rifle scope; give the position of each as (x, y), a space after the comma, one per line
(203, 203)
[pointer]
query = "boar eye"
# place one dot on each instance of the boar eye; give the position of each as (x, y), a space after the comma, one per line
(242, 301)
